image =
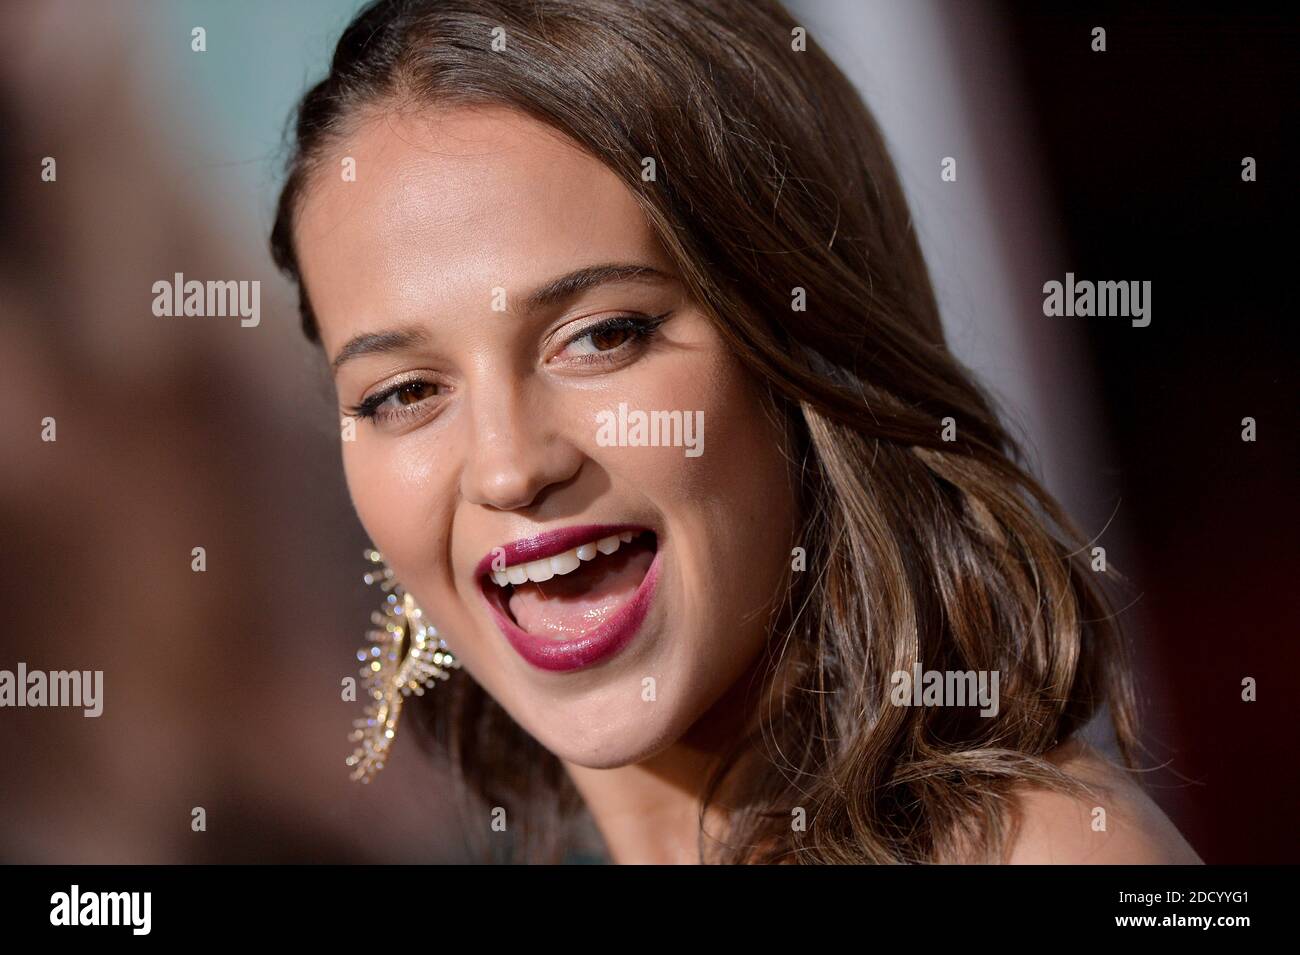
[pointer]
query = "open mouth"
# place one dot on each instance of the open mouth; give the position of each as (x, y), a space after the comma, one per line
(565, 596)
(569, 597)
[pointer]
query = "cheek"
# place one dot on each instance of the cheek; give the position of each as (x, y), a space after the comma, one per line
(740, 483)
(747, 499)
(733, 506)
(402, 497)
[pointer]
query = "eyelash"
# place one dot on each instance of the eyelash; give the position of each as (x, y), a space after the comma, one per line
(369, 407)
(641, 328)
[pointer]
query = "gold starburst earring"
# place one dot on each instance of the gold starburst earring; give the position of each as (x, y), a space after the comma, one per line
(404, 655)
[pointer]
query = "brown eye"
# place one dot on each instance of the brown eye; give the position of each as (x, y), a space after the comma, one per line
(415, 392)
(608, 338)
(403, 398)
(612, 338)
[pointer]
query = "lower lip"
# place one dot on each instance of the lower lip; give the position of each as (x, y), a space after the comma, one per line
(593, 646)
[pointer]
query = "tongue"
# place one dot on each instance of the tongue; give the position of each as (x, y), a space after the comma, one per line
(567, 607)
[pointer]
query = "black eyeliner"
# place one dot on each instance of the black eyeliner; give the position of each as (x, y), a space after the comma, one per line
(640, 325)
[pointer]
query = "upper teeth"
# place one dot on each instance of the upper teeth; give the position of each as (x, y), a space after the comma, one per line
(561, 564)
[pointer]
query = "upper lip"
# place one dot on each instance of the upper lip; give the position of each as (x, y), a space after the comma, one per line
(550, 543)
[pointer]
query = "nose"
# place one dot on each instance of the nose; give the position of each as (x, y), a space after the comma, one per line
(516, 453)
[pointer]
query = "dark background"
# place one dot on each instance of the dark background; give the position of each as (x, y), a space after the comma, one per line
(1143, 147)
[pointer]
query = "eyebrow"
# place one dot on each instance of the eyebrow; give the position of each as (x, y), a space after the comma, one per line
(378, 343)
(551, 293)
(567, 286)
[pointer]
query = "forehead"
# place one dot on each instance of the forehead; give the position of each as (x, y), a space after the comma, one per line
(448, 205)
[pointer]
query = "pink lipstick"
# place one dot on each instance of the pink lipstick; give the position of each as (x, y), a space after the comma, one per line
(570, 598)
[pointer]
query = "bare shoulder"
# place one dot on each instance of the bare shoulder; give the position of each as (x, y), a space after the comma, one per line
(1117, 824)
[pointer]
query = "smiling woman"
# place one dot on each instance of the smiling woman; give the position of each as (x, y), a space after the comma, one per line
(698, 649)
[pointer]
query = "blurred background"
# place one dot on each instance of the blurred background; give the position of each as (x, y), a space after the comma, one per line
(222, 688)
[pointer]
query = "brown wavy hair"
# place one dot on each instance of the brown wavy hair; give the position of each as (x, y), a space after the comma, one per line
(772, 176)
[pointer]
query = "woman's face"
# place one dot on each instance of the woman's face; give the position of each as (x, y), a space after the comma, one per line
(500, 318)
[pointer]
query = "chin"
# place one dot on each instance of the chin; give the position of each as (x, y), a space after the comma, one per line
(630, 736)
